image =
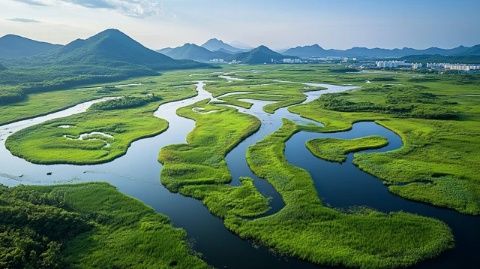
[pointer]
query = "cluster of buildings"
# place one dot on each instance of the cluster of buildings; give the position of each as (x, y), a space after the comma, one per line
(455, 67)
(217, 60)
(292, 61)
(430, 66)
(398, 64)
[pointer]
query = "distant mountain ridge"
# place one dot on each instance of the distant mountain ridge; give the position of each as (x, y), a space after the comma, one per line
(14, 47)
(259, 55)
(361, 52)
(107, 56)
(113, 47)
(194, 52)
(215, 44)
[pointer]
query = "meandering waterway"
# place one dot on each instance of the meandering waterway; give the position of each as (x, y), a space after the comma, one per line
(340, 185)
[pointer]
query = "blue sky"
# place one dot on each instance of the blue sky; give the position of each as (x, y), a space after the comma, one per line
(276, 23)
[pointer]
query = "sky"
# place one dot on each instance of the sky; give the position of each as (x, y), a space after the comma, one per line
(279, 24)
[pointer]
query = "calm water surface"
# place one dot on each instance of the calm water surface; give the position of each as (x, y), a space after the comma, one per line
(340, 185)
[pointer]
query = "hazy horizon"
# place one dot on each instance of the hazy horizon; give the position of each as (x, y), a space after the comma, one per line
(278, 24)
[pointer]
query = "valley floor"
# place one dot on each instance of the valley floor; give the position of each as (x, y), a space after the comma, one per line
(436, 115)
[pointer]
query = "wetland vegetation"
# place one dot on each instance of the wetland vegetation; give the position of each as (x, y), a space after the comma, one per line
(86, 226)
(436, 116)
(335, 150)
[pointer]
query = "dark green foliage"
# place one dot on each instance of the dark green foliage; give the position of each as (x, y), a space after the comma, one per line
(343, 70)
(86, 226)
(382, 79)
(10, 95)
(33, 228)
(126, 102)
(399, 101)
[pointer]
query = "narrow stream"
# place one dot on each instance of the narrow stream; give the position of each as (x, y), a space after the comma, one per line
(137, 174)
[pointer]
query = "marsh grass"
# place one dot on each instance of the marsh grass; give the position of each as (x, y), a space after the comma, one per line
(307, 229)
(98, 228)
(48, 144)
(335, 150)
(198, 169)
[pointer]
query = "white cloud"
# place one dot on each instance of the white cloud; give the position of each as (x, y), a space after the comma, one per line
(33, 2)
(132, 8)
(24, 20)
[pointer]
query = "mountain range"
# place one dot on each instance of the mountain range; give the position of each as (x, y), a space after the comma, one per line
(112, 47)
(109, 48)
(374, 53)
(14, 47)
(194, 52)
(107, 56)
(259, 55)
(217, 49)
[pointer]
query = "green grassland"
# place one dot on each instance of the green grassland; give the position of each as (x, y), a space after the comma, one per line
(304, 228)
(47, 143)
(307, 229)
(198, 169)
(436, 116)
(335, 150)
(35, 104)
(438, 163)
(86, 226)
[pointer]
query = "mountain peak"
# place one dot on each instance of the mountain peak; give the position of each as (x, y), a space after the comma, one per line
(262, 47)
(213, 41)
(194, 52)
(111, 31)
(215, 44)
(115, 47)
(260, 55)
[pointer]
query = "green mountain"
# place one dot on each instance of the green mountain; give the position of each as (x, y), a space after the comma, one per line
(467, 55)
(14, 47)
(370, 53)
(218, 45)
(114, 48)
(259, 55)
(194, 52)
(472, 51)
(108, 56)
(2, 67)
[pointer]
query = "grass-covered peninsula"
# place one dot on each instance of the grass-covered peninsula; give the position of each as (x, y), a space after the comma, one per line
(86, 226)
(335, 150)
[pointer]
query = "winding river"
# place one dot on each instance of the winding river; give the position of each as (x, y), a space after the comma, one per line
(137, 174)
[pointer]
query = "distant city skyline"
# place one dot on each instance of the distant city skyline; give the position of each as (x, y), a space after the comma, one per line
(279, 24)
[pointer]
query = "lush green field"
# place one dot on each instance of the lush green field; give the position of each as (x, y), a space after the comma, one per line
(436, 115)
(198, 169)
(308, 229)
(86, 226)
(438, 161)
(335, 150)
(304, 228)
(118, 120)
(46, 102)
